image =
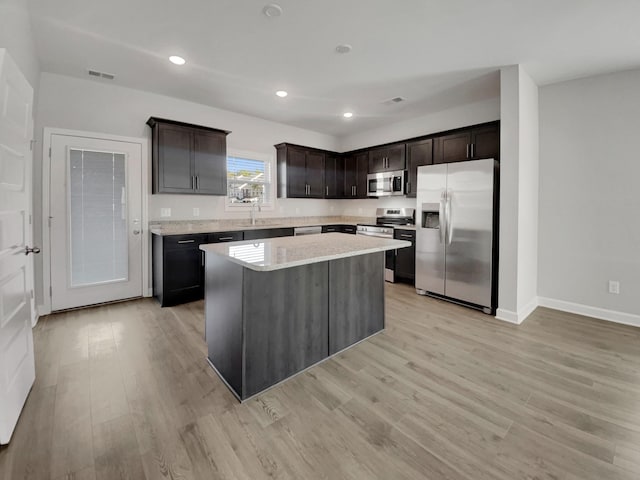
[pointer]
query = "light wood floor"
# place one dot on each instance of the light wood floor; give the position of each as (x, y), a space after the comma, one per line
(124, 391)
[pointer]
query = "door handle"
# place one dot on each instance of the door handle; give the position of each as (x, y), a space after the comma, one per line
(28, 250)
(136, 232)
(441, 214)
(449, 216)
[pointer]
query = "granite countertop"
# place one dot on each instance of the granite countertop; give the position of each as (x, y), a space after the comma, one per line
(285, 252)
(231, 225)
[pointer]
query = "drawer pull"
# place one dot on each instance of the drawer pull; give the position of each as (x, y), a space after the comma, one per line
(406, 235)
(186, 241)
(225, 238)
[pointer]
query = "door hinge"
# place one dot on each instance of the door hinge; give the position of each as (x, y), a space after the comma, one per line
(31, 144)
(50, 291)
(29, 219)
(49, 152)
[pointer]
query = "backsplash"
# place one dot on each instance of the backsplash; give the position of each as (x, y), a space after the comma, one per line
(212, 207)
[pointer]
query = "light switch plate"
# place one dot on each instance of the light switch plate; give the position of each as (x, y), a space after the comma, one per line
(165, 212)
(614, 287)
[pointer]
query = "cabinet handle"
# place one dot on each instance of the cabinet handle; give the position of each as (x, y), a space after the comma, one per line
(222, 239)
(406, 235)
(355, 190)
(467, 150)
(193, 183)
(327, 190)
(473, 147)
(186, 241)
(408, 187)
(197, 182)
(202, 258)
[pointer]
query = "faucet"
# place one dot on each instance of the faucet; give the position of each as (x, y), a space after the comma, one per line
(253, 212)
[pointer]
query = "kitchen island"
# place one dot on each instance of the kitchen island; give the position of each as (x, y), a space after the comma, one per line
(275, 307)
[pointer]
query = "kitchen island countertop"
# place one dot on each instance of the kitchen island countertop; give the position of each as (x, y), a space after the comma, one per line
(286, 252)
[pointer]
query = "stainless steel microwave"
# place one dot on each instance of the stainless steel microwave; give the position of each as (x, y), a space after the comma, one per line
(385, 184)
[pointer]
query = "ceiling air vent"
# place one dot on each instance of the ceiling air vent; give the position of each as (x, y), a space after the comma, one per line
(95, 73)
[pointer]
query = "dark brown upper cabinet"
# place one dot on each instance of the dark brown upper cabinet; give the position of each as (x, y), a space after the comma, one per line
(188, 159)
(386, 159)
(334, 173)
(419, 153)
(355, 175)
(469, 144)
(301, 172)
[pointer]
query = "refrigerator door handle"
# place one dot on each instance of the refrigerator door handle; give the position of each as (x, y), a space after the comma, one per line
(442, 216)
(449, 216)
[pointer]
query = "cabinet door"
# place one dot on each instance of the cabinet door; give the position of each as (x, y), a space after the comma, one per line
(334, 176)
(350, 176)
(183, 279)
(268, 233)
(174, 167)
(486, 142)
(377, 160)
(296, 173)
(210, 162)
(396, 157)
(315, 174)
(362, 165)
(406, 257)
(418, 154)
(453, 148)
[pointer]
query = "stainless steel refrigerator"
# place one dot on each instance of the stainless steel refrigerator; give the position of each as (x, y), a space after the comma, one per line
(456, 238)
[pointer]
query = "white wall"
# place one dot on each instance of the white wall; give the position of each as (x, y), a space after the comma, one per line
(473, 113)
(16, 37)
(518, 269)
(590, 195)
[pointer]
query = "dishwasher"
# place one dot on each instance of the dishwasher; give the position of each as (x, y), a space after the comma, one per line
(306, 230)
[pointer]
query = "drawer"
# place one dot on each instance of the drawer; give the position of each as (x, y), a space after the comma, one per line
(349, 229)
(220, 237)
(331, 228)
(173, 242)
(409, 235)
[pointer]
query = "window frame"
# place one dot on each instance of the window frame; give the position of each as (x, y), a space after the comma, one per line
(249, 155)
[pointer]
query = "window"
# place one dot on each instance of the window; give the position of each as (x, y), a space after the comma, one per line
(249, 180)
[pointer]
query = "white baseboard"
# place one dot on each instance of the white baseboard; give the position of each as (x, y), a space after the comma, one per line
(588, 311)
(519, 316)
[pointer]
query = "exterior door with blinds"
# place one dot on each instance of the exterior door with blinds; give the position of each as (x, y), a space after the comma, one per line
(96, 207)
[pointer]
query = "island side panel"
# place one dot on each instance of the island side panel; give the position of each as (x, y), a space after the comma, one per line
(286, 323)
(223, 314)
(356, 299)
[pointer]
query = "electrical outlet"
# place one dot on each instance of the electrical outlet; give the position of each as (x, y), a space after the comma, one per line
(297, 210)
(196, 212)
(165, 212)
(614, 287)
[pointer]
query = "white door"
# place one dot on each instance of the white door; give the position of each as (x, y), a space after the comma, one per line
(96, 206)
(17, 368)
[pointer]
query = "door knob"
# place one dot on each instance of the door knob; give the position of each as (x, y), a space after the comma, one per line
(28, 250)
(136, 232)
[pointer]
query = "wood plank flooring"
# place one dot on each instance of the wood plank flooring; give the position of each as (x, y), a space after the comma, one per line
(124, 392)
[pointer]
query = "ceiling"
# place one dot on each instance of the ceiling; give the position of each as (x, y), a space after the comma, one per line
(437, 54)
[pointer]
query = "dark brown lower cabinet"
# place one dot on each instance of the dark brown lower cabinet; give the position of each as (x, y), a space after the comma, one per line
(405, 262)
(178, 268)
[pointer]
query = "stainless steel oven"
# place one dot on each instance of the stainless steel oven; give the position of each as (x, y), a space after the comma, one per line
(384, 184)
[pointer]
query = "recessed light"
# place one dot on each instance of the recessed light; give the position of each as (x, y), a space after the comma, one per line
(347, 114)
(344, 48)
(281, 93)
(176, 60)
(272, 10)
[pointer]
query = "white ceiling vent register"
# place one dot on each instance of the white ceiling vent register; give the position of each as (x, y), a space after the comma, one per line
(96, 73)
